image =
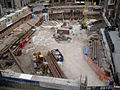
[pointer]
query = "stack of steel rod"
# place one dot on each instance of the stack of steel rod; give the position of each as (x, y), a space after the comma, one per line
(7, 48)
(54, 67)
(95, 46)
(26, 35)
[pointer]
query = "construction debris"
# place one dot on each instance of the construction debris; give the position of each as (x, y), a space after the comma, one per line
(61, 37)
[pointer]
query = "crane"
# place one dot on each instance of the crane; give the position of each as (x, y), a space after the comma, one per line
(84, 23)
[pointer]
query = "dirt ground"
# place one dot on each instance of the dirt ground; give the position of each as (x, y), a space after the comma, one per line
(74, 64)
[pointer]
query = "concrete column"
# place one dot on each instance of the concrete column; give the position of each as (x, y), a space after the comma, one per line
(46, 16)
(63, 17)
(25, 2)
(12, 3)
(65, 1)
(99, 2)
(59, 1)
(22, 3)
(52, 1)
(6, 5)
(29, 1)
(18, 3)
(2, 3)
(105, 6)
(117, 12)
(1, 11)
(73, 14)
(74, 1)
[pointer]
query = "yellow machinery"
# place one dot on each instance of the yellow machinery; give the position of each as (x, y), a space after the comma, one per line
(84, 23)
(39, 62)
(44, 68)
(37, 57)
(34, 57)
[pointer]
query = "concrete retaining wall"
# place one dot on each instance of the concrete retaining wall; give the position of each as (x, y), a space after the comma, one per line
(40, 81)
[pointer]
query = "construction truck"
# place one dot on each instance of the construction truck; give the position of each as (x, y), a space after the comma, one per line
(84, 23)
(40, 63)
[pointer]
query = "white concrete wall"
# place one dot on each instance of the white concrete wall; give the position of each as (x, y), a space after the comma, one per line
(44, 81)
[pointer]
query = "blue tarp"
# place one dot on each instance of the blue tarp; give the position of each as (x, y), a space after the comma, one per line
(85, 50)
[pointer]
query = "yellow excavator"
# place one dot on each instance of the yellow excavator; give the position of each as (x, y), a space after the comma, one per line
(38, 57)
(84, 23)
(39, 62)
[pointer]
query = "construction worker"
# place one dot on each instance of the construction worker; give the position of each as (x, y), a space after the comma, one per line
(34, 57)
(111, 84)
(40, 57)
(44, 67)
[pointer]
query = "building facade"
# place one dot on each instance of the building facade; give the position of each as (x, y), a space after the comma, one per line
(112, 12)
(14, 4)
(97, 2)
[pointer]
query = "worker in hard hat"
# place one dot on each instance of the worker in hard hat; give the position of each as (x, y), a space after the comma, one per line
(44, 68)
(40, 58)
(34, 57)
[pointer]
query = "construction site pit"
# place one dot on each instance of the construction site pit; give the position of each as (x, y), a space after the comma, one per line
(71, 45)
